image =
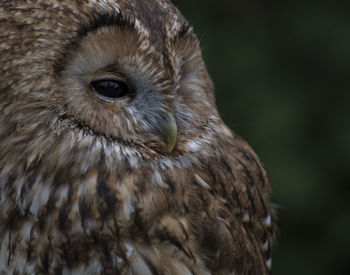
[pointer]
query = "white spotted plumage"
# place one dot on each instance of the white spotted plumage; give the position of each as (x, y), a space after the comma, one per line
(141, 178)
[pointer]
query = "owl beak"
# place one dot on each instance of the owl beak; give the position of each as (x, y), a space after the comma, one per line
(168, 129)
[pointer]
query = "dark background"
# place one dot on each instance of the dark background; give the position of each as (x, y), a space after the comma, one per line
(281, 71)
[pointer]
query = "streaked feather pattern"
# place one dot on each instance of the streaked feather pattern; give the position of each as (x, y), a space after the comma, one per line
(89, 187)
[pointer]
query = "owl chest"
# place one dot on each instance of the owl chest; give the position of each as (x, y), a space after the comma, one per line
(98, 223)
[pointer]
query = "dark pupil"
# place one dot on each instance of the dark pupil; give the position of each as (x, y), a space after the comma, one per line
(110, 88)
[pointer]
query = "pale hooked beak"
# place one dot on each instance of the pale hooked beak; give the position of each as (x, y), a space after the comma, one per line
(168, 129)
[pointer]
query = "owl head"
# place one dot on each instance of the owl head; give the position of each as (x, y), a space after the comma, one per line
(129, 73)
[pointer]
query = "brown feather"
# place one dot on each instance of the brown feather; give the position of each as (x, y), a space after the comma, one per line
(88, 186)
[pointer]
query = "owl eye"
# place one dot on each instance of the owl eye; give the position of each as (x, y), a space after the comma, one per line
(110, 90)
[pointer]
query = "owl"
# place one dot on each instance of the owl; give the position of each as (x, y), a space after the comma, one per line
(113, 157)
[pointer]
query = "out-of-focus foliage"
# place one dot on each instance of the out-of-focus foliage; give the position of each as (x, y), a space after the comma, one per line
(282, 72)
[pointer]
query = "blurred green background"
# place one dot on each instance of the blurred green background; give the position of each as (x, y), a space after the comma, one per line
(282, 72)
